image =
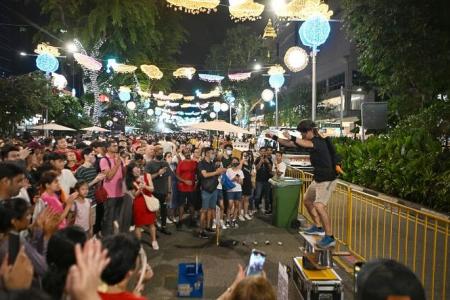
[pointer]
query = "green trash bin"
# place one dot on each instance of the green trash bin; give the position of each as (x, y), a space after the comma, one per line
(286, 193)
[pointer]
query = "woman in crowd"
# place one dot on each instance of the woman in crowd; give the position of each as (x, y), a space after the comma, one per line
(247, 185)
(235, 174)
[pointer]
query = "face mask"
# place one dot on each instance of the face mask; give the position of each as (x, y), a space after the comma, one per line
(159, 157)
(229, 152)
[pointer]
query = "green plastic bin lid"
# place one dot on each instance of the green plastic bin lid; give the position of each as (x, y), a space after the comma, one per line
(284, 181)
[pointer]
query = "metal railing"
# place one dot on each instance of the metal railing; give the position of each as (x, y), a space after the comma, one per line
(371, 227)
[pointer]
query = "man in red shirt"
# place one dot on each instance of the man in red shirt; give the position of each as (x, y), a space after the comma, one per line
(186, 171)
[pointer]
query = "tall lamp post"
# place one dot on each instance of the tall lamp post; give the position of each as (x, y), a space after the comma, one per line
(313, 33)
(276, 81)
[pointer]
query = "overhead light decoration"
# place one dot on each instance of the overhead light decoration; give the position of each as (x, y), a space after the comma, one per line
(212, 115)
(194, 6)
(152, 71)
(131, 105)
(103, 98)
(239, 76)
(188, 98)
(158, 111)
(161, 103)
(146, 104)
(172, 104)
(88, 62)
(211, 78)
(160, 96)
(314, 31)
(150, 112)
(110, 64)
(175, 96)
(216, 107)
(109, 123)
(204, 105)
(247, 10)
(267, 95)
(269, 31)
(316, 7)
(46, 60)
(124, 93)
(212, 94)
(275, 70)
(224, 107)
(184, 72)
(143, 94)
(276, 81)
(296, 59)
(303, 10)
(123, 68)
(59, 81)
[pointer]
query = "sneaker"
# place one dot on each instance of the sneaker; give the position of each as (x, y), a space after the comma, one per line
(155, 245)
(169, 221)
(214, 225)
(158, 223)
(268, 212)
(203, 235)
(241, 218)
(314, 230)
(222, 223)
(326, 242)
(210, 230)
(248, 217)
(227, 224)
(165, 231)
(235, 224)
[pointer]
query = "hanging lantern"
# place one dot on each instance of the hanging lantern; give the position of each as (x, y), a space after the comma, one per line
(194, 6)
(296, 59)
(216, 107)
(175, 96)
(184, 73)
(146, 104)
(47, 63)
(211, 78)
(224, 107)
(150, 112)
(103, 98)
(158, 111)
(188, 98)
(109, 123)
(276, 69)
(87, 62)
(152, 71)
(115, 119)
(124, 93)
(143, 94)
(314, 31)
(267, 95)
(123, 68)
(212, 115)
(269, 31)
(131, 105)
(302, 10)
(59, 81)
(246, 10)
(276, 81)
(239, 76)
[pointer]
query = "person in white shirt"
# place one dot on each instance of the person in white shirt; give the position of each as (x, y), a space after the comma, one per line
(66, 178)
(279, 167)
(235, 174)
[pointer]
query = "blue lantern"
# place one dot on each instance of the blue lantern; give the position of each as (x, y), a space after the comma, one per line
(47, 62)
(276, 81)
(314, 31)
(146, 104)
(124, 96)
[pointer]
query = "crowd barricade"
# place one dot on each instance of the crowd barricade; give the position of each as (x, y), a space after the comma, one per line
(371, 226)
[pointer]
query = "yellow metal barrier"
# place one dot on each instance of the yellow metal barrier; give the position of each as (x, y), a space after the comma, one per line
(373, 227)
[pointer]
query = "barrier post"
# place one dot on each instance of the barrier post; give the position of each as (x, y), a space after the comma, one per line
(350, 217)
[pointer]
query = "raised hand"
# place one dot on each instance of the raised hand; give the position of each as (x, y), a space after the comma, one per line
(18, 276)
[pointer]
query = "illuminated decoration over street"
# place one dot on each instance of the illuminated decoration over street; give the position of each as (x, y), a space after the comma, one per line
(59, 81)
(124, 93)
(103, 98)
(188, 98)
(246, 10)
(194, 6)
(44, 48)
(303, 10)
(161, 103)
(150, 112)
(275, 70)
(240, 76)
(314, 31)
(152, 71)
(109, 123)
(143, 94)
(296, 59)
(211, 78)
(175, 96)
(160, 96)
(47, 63)
(184, 73)
(123, 68)
(88, 62)
(267, 95)
(212, 115)
(216, 106)
(224, 107)
(276, 81)
(212, 94)
(131, 105)
(269, 31)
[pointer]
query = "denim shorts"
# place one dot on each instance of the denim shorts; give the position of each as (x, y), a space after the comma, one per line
(209, 200)
(219, 195)
(234, 196)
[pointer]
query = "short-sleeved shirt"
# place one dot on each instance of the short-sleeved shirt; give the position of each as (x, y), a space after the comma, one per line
(87, 174)
(161, 183)
(186, 170)
(322, 161)
(231, 174)
(208, 184)
(226, 162)
(67, 181)
(264, 173)
(113, 186)
(82, 210)
(281, 168)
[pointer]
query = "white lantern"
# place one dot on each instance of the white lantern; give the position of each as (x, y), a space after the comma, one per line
(212, 115)
(150, 112)
(131, 105)
(216, 106)
(267, 95)
(115, 119)
(224, 107)
(296, 59)
(158, 111)
(109, 123)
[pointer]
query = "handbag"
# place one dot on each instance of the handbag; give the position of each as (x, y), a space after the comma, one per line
(100, 193)
(227, 184)
(151, 202)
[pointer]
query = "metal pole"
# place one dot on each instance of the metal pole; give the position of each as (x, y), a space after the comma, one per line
(363, 135)
(230, 112)
(313, 90)
(276, 108)
(341, 110)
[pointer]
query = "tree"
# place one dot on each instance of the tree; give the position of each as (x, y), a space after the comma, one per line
(403, 46)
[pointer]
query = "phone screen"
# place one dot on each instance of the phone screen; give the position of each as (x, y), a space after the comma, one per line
(13, 247)
(256, 263)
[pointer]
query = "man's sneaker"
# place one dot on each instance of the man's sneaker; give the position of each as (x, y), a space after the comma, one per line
(169, 221)
(203, 235)
(210, 230)
(235, 224)
(314, 230)
(268, 212)
(241, 218)
(248, 217)
(326, 242)
(227, 224)
(214, 225)
(155, 245)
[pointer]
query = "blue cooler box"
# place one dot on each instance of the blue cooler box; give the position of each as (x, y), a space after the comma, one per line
(190, 280)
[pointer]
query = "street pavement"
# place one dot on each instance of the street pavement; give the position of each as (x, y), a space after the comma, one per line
(220, 262)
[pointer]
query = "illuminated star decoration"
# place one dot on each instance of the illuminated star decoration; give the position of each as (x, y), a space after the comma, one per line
(269, 31)
(123, 68)
(46, 60)
(239, 76)
(88, 62)
(152, 71)
(246, 10)
(211, 78)
(184, 73)
(194, 6)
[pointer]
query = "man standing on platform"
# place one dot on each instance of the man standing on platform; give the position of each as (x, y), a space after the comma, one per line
(322, 155)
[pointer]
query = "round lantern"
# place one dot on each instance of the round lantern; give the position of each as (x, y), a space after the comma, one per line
(103, 98)
(212, 115)
(109, 123)
(276, 81)
(158, 111)
(146, 104)
(150, 112)
(47, 62)
(314, 31)
(131, 105)
(124, 96)
(115, 119)
(216, 106)
(267, 95)
(296, 59)
(224, 107)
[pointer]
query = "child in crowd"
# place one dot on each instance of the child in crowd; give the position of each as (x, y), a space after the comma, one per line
(82, 207)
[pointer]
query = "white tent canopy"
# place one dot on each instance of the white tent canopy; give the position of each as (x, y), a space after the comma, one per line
(95, 128)
(220, 125)
(52, 126)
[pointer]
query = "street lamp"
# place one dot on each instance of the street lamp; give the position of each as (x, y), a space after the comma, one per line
(276, 81)
(22, 53)
(71, 47)
(257, 67)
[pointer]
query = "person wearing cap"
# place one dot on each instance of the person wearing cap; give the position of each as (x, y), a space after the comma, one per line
(324, 181)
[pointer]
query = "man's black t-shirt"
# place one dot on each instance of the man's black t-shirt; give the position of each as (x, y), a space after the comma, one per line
(226, 162)
(321, 160)
(208, 184)
(264, 173)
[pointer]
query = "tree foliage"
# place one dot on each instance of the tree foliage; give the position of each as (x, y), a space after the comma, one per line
(403, 46)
